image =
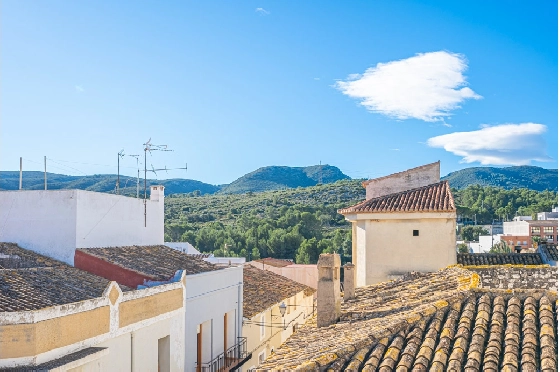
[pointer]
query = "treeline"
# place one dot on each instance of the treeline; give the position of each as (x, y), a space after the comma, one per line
(301, 223)
(299, 233)
(493, 203)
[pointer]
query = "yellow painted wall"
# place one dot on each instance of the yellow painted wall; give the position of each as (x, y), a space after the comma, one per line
(21, 340)
(136, 310)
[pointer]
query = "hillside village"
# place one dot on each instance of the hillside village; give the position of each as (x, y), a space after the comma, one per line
(88, 283)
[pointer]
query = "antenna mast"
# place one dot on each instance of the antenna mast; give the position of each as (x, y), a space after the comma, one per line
(149, 146)
(120, 155)
(320, 173)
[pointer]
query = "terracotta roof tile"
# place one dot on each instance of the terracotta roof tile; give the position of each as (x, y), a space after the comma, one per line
(262, 289)
(33, 281)
(276, 262)
(484, 259)
(551, 252)
(57, 363)
(432, 198)
(434, 322)
(156, 261)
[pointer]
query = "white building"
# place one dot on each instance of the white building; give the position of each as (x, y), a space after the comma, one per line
(56, 222)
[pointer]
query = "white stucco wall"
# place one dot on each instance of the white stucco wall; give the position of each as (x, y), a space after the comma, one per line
(209, 296)
(387, 248)
(56, 222)
(516, 228)
(402, 181)
(105, 220)
(41, 221)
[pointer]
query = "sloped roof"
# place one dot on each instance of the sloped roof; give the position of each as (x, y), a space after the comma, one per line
(30, 281)
(477, 259)
(156, 261)
(276, 262)
(551, 252)
(435, 321)
(436, 197)
(263, 288)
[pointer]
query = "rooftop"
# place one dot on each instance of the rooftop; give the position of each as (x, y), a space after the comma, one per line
(276, 262)
(30, 281)
(262, 289)
(435, 321)
(477, 259)
(550, 251)
(431, 198)
(156, 261)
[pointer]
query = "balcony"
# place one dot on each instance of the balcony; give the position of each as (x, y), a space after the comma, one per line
(230, 360)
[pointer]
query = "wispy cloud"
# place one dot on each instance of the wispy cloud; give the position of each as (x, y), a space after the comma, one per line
(395, 149)
(79, 88)
(262, 11)
(505, 144)
(427, 86)
(316, 78)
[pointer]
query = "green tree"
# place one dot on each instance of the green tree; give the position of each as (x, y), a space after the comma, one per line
(471, 233)
(463, 248)
(500, 247)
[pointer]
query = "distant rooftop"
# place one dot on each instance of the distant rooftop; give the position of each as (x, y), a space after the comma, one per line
(477, 259)
(276, 262)
(262, 289)
(30, 281)
(156, 261)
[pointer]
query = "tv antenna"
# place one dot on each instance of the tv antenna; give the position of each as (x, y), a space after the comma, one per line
(320, 173)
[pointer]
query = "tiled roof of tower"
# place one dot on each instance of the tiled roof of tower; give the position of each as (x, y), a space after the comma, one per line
(156, 261)
(30, 281)
(431, 198)
(477, 259)
(262, 289)
(437, 321)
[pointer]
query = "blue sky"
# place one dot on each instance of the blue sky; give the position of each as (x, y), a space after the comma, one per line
(373, 87)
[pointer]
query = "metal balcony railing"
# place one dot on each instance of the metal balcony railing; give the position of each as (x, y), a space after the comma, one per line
(231, 359)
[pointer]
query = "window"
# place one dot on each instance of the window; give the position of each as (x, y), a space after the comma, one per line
(263, 329)
(535, 230)
(164, 356)
(548, 229)
(415, 232)
(524, 242)
(549, 237)
(262, 357)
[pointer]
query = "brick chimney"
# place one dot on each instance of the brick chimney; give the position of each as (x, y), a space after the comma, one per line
(349, 281)
(328, 290)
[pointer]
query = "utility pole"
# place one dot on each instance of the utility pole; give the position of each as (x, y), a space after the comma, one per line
(45, 172)
(119, 156)
(137, 176)
(20, 171)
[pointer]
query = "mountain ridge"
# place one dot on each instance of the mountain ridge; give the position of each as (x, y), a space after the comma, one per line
(277, 178)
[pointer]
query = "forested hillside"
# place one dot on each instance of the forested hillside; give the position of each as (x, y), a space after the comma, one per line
(533, 178)
(301, 223)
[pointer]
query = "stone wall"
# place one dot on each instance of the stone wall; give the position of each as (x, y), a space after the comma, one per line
(518, 277)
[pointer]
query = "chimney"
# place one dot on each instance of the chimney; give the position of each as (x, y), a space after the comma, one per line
(328, 290)
(349, 281)
(157, 193)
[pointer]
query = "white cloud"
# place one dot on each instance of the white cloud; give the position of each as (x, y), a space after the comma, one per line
(427, 86)
(262, 11)
(505, 144)
(79, 88)
(395, 149)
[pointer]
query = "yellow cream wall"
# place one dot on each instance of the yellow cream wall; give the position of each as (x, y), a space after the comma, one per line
(387, 247)
(274, 337)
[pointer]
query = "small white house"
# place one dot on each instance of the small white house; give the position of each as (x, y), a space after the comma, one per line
(56, 222)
